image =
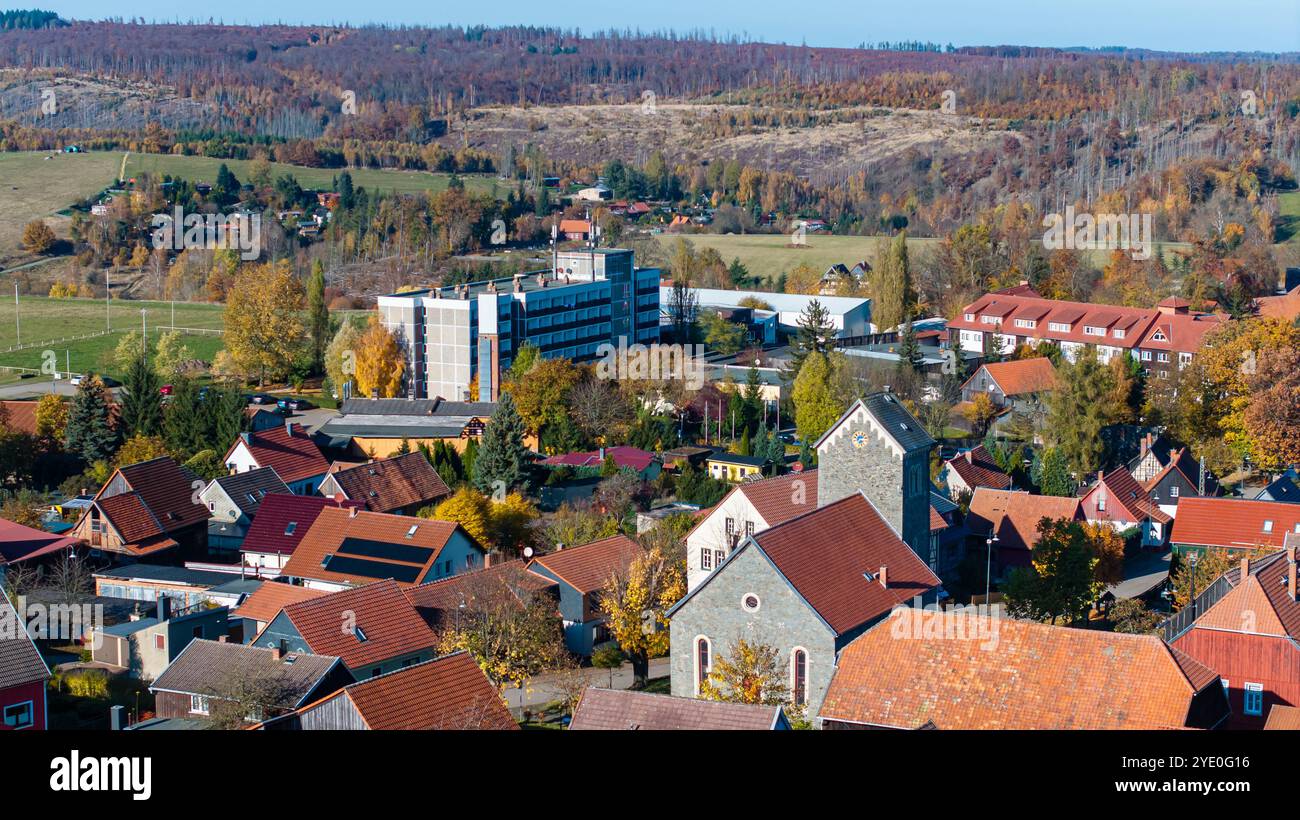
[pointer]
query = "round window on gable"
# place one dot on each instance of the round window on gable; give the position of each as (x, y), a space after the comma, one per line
(750, 602)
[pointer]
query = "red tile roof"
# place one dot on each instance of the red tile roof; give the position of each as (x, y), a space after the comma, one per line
(1165, 328)
(1262, 605)
(446, 595)
(1121, 487)
(629, 457)
(586, 567)
(1014, 517)
(270, 531)
(957, 670)
(19, 416)
(781, 498)
(20, 543)
(392, 483)
(289, 449)
(317, 551)
(977, 468)
(158, 500)
(390, 624)
(827, 554)
(271, 597)
(1233, 523)
(446, 693)
(1283, 717)
(1021, 376)
(1285, 307)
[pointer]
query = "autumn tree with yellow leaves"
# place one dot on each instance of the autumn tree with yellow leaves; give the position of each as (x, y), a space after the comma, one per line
(379, 361)
(635, 601)
(263, 320)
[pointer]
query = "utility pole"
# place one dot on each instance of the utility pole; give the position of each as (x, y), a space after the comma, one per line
(18, 321)
(108, 318)
(144, 332)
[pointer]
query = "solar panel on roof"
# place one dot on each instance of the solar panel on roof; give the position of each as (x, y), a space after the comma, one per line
(386, 550)
(402, 573)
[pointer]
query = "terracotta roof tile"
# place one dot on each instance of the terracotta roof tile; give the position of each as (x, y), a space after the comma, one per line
(1014, 516)
(827, 554)
(446, 693)
(999, 673)
(977, 468)
(586, 567)
(630, 457)
(1021, 376)
(390, 624)
(392, 483)
(436, 597)
(338, 533)
(1125, 490)
(781, 498)
(271, 597)
(1283, 717)
(621, 710)
(289, 449)
(1260, 606)
(1234, 523)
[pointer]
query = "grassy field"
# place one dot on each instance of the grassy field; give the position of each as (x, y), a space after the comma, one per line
(32, 187)
(768, 255)
(204, 169)
(1288, 208)
(52, 324)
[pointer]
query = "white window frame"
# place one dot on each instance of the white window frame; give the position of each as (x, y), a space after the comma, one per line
(200, 705)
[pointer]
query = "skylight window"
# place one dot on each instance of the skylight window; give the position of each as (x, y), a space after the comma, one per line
(411, 531)
(290, 527)
(1268, 526)
(360, 633)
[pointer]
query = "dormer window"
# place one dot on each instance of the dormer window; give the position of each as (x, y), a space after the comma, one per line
(1089, 330)
(1118, 334)
(970, 317)
(1159, 336)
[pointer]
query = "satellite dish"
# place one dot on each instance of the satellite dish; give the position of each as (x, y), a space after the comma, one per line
(528, 552)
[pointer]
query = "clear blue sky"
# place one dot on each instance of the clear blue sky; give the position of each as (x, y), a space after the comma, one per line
(1168, 25)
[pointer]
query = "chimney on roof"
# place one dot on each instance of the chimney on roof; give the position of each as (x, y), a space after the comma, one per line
(223, 639)
(884, 577)
(164, 607)
(352, 512)
(277, 652)
(519, 283)
(288, 428)
(247, 437)
(1146, 444)
(1245, 567)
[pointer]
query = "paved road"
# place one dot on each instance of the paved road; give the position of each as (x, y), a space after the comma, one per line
(34, 388)
(543, 690)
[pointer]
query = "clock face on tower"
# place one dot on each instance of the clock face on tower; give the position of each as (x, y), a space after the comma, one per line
(860, 439)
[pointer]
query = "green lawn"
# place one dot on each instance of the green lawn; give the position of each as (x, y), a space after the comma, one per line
(33, 187)
(196, 169)
(53, 322)
(1288, 208)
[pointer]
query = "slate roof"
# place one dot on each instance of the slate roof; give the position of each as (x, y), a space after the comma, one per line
(165, 574)
(392, 483)
(622, 710)
(20, 663)
(389, 623)
(977, 468)
(999, 673)
(1281, 489)
(289, 449)
(271, 597)
(271, 532)
(890, 413)
(247, 489)
(1234, 523)
(204, 667)
(405, 545)
(586, 567)
(1181, 461)
(449, 693)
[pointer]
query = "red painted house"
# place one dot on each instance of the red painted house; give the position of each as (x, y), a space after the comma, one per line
(1247, 632)
(1119, 500)
(23, 674)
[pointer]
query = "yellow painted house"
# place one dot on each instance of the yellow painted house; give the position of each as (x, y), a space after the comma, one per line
(734, 468)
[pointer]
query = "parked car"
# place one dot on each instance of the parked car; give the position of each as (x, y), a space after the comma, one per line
(262, 398)
(166, 390)
(296, 404)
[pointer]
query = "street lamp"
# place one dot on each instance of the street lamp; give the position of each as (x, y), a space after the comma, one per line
(988, 567)
(1193, 560)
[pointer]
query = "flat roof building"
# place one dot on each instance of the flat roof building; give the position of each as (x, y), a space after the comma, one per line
(592, 297)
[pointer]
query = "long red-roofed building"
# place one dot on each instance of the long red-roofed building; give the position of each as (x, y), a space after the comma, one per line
(1162, 339)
